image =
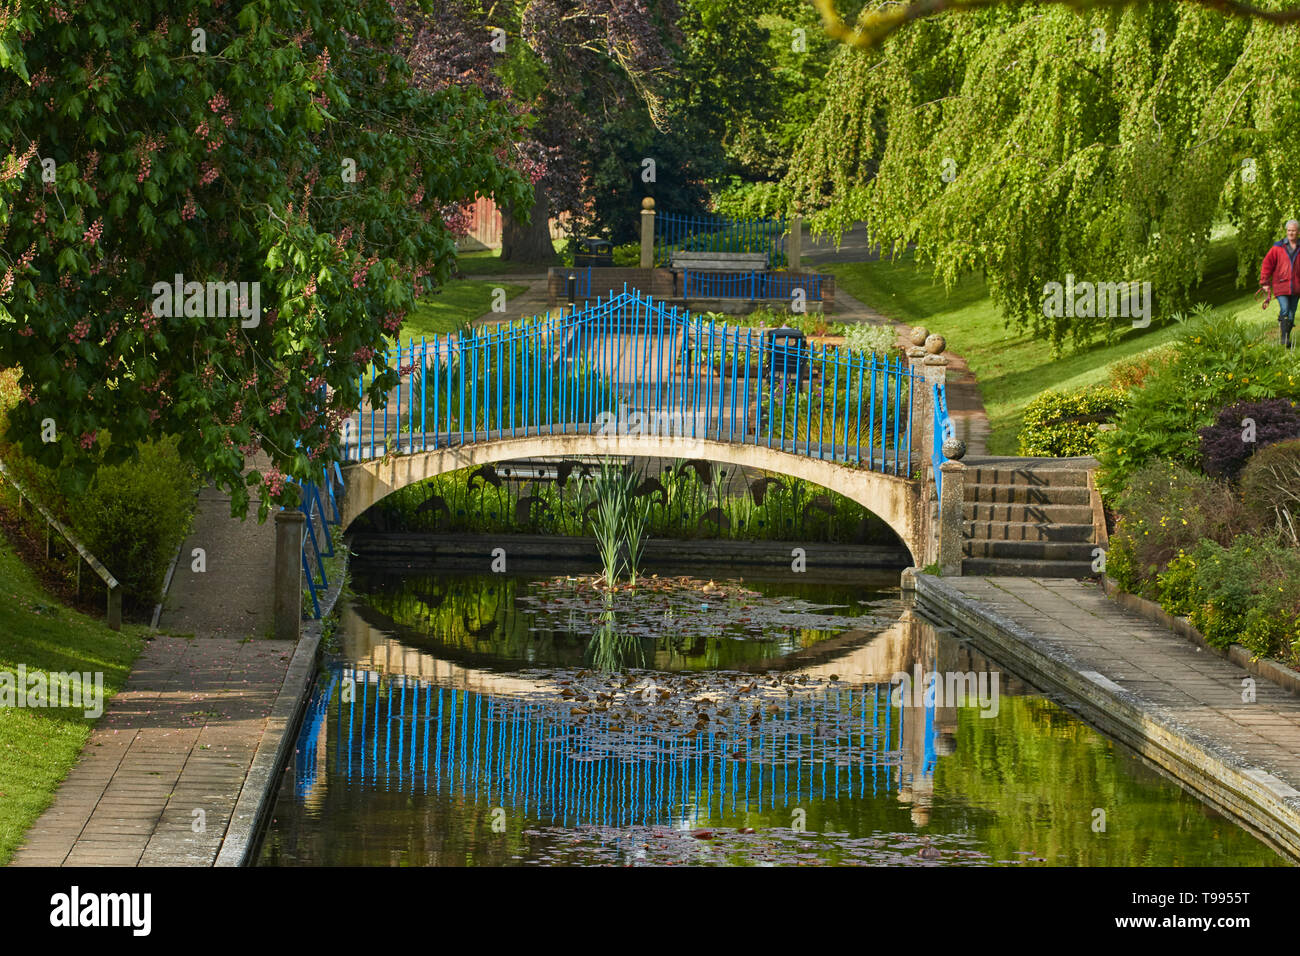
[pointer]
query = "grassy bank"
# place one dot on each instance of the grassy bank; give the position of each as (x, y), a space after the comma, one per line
(39, 746)
(461, 301)
(488, 262)
(1011, 366)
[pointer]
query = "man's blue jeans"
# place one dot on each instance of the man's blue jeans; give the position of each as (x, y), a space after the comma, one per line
(1286, 316)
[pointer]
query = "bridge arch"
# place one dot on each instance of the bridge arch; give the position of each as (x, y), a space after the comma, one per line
(895, 499)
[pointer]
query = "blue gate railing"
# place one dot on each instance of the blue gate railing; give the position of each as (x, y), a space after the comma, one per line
(750, 285)
(631, 365)
(676, 233)
(319, 504)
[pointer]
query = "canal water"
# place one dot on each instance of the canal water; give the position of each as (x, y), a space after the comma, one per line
(497, 720)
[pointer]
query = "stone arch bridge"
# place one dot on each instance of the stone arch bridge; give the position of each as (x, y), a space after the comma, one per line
(633, 377)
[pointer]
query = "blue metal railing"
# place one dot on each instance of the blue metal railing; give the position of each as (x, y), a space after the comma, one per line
(943, 428)
(750, 285)
(631, 365)
(319, 504)
(676, 233)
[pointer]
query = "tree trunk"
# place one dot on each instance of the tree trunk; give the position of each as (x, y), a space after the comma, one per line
(530, 242)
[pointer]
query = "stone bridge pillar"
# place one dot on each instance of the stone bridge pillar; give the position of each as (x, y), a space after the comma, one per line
(931, 368)
(290, 526)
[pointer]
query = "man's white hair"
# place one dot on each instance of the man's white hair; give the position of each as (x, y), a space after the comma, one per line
(1293, 222)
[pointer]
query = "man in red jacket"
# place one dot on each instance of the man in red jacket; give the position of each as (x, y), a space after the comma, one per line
(1278, 277)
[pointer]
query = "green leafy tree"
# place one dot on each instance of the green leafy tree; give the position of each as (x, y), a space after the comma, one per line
(245, 141)
(1029, 143)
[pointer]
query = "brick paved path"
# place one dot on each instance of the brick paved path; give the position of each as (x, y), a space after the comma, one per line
(1169, 674)
(178, 738)
(232, 597)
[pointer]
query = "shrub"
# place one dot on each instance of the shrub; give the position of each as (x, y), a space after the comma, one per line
(1219, 361)
(861, 337)
(1272, 625)
(1065, 424)
(1121, 562)
(134, 515)
(740, 200)
(1249, 594)
(627, 255)
(1270, 489)
(811, 323)
(1166, 509)
(1224, 584)
(1177, 586)
(1229, 442)
(1129, 373)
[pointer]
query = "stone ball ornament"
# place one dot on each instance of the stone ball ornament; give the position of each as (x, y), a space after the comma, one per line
(954, 448)
(647, 203)
(935, 343)
(919, 335)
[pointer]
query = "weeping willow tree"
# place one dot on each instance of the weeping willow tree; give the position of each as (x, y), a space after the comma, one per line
(1028, 143)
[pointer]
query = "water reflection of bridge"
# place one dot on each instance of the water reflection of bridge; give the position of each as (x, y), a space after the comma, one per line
(403, 734)
(414, 722)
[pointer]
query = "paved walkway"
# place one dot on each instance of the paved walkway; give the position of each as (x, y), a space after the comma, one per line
(178, 738)
(1172, 678)
(232, 597)
(965, 403)
(181, 735)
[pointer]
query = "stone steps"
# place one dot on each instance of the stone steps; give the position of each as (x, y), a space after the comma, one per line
(1028, 494)
(1018, 568)
(1024, 512)
(1028, 518)
(1036, 477)
(1026, 531)
(1029, 550)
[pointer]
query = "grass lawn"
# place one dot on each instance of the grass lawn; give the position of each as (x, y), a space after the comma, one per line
(459, 302)
(488, 262)
(1010, 366)
(38, 746)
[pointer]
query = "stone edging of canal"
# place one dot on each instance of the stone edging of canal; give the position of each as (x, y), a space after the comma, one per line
(1205, 763)
(549, 548)
(257, 798)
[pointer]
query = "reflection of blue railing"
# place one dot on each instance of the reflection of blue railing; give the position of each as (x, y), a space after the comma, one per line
(312, 721)
(403, 734)
(943, 428)
(319, 504)
(575, 372)
(750, 285)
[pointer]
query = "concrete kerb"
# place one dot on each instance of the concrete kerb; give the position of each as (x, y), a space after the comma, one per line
(257, 797)
(1247, 793)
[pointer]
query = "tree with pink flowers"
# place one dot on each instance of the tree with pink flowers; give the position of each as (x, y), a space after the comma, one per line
(221, 145)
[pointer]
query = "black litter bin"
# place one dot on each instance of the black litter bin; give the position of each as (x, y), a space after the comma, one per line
(786, 364)
(786, 354)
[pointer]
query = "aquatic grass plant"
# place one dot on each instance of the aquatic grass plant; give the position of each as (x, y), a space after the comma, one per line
(609, 521)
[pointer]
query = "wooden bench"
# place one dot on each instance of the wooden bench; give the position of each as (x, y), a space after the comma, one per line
(719, 261)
